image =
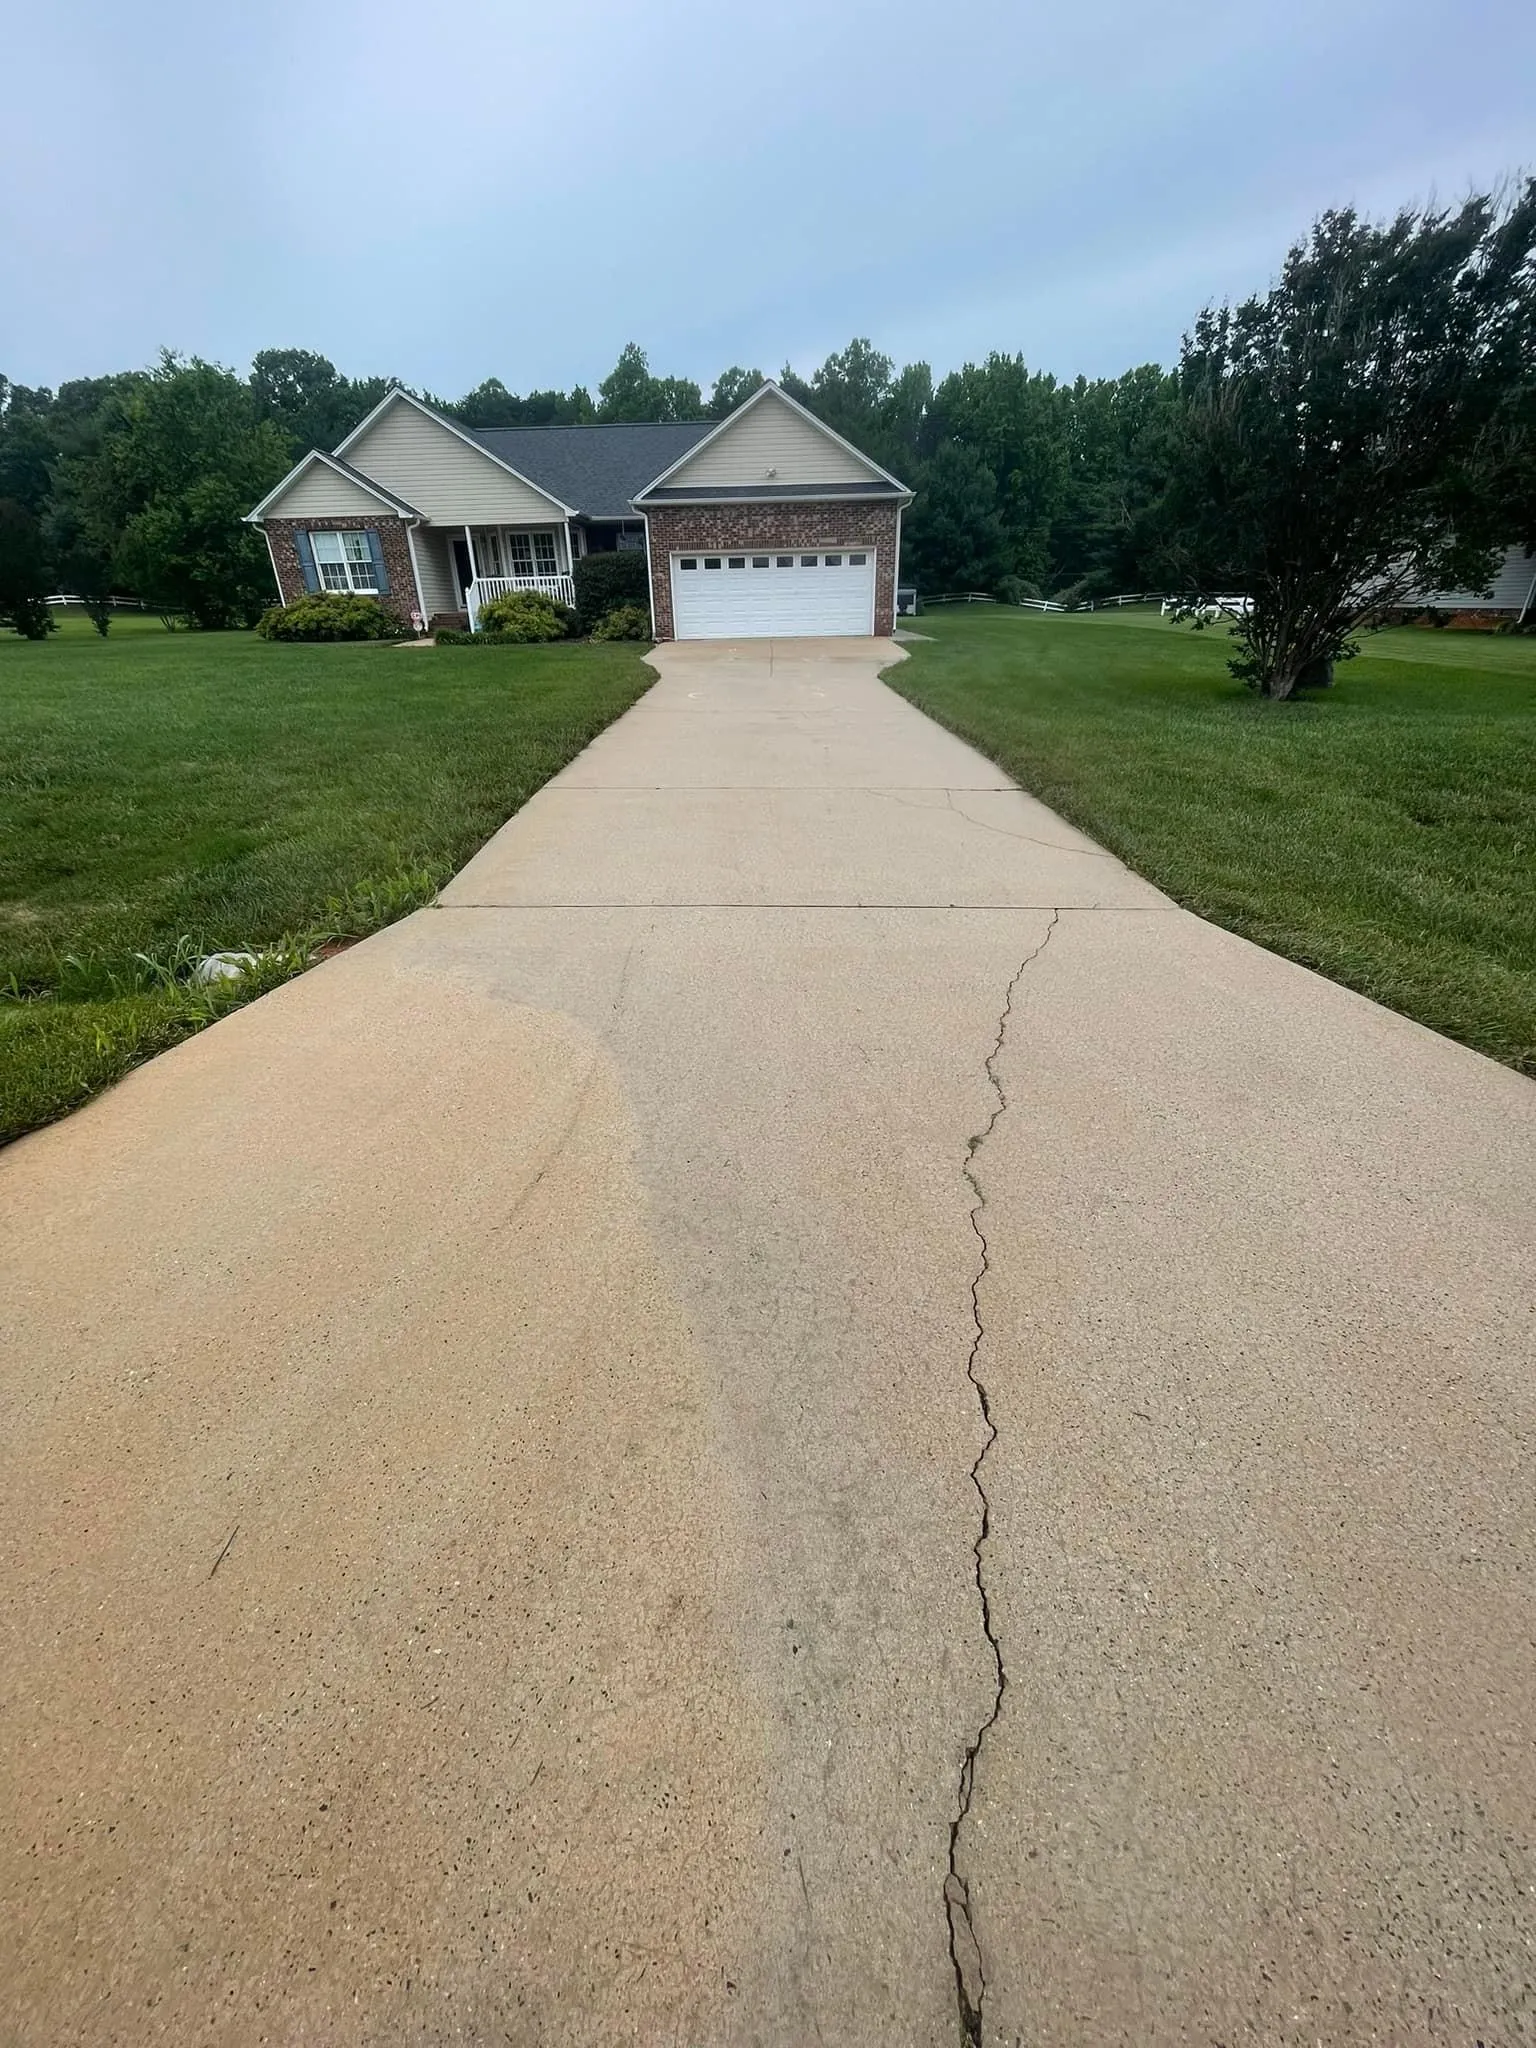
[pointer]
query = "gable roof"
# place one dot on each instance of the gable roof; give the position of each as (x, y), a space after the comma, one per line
(598, 469)
(354, 476)
(400, 396)
(881, 484)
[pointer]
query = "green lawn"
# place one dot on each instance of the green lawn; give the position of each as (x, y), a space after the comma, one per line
(166, 795)
(1383, 832)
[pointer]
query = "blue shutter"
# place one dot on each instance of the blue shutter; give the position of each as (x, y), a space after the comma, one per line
(380, 573)
(307, 560)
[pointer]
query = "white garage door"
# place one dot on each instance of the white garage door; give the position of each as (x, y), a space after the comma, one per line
(753, 597)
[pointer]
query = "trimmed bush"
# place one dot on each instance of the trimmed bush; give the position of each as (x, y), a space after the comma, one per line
(330, 615)
(624, 622)
(527, 615)
(456, 636)
(604, 582)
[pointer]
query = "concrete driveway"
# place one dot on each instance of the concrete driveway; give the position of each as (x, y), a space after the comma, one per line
(805, 1414)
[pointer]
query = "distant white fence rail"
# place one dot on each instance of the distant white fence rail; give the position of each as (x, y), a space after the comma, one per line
(117, 604)
(1212, 607)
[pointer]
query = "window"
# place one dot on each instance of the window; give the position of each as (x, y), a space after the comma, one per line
(834, 561)
(786, 561)
(488, 554)
(344, 561)
(711, 561)
(807, 561)
(759, 561)
(737, 562)
(688, 562)
(532, 554)
(857, 561)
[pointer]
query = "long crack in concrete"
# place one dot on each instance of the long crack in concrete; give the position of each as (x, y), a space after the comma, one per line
(964, 1947)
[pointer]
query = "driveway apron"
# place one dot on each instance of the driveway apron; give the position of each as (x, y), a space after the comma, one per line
(804, 1413)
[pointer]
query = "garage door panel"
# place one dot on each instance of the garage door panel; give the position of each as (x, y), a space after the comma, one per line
(825, 591)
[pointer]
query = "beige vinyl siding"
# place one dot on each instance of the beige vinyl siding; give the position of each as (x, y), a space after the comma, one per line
(1511, 587)
(322, 493)
(442, 476)
(435, 570)
(771, 436)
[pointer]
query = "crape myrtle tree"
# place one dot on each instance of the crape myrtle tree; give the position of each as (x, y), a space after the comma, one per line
(1343, 443)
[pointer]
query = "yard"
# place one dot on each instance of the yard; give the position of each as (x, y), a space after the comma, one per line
(168, 795)
(1383, 832)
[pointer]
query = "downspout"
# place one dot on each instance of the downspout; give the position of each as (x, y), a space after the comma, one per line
(272, 558)
(410, 543)
(474, 577)
(896, 571)
(650, 576)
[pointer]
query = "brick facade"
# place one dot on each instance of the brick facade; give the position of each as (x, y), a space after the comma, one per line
(741, 529)
(401, 596)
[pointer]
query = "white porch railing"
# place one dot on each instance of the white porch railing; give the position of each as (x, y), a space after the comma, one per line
(484, 588)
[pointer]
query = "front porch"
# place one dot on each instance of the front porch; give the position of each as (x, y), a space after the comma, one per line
(494, 561)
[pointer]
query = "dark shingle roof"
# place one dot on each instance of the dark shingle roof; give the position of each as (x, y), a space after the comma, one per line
(596, 470)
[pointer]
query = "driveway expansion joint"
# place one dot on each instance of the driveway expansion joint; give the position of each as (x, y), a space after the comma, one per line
(964, 1946)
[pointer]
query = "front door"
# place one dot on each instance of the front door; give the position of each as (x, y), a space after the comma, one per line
(464, 575)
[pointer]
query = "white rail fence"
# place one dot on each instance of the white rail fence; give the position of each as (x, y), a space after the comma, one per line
(485, 588)
(1212, 607)
(118, 604)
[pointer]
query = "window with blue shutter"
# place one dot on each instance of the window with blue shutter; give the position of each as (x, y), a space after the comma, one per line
(307, 561)
(380, 573)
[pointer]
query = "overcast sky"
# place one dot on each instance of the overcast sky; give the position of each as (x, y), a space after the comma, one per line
(488, 187)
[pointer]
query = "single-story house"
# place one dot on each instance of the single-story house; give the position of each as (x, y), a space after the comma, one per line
(1511, 594)
(765, 523)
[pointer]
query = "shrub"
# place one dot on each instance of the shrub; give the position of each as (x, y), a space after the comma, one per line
(330, 615)
(527, 615)
(455, 636)
(604, 582)
(30, 616)
(624, 622)
(1017, 590)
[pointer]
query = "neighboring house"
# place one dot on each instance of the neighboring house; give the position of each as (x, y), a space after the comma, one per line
(765, 523)
(1512, 592)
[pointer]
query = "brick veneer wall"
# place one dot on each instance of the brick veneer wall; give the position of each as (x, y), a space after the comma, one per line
(401, 596)
(741, 529)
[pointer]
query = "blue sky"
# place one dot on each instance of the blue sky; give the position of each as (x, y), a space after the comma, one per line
(449, 192)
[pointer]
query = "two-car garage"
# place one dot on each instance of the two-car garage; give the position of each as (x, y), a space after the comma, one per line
(771, 526)
(783, 594)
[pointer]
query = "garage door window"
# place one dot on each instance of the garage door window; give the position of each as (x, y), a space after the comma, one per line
(711, 561)
(786, 561)
(759, 561)
(857, 561)
(688, 562)
(808, 561)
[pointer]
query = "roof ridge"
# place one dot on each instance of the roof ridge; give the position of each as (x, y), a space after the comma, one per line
(579, 426)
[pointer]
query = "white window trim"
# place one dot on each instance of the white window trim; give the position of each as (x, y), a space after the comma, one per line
(353, 587)
(505, 537)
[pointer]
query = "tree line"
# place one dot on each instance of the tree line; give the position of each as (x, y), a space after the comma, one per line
(1365, 429)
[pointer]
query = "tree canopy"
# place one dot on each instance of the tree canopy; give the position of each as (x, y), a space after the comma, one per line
(1365, 429)
(1353, 437)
